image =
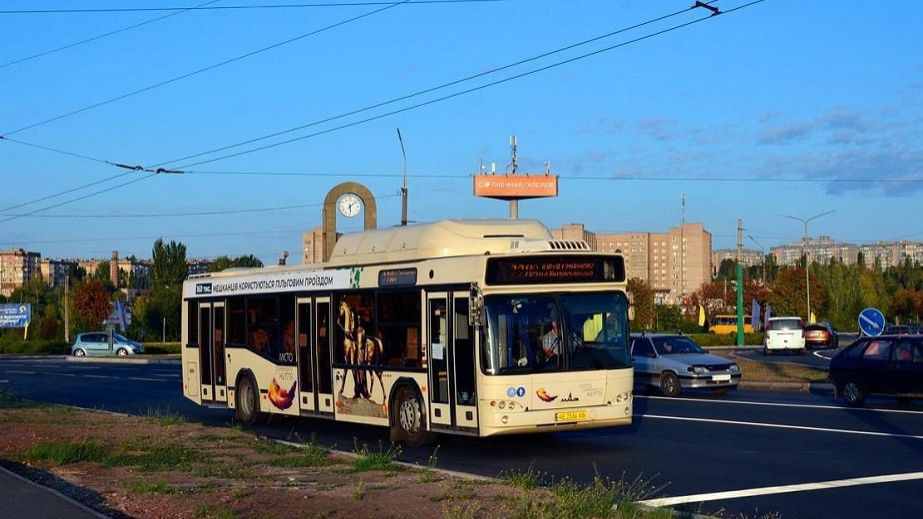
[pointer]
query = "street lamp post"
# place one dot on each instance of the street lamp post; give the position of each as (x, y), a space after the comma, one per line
(807, 265)
(762, 257)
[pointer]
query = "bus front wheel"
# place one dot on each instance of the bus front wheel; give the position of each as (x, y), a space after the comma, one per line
(248, 402)
(410, 422)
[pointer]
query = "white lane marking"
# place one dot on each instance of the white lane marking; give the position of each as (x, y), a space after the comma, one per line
(64, 374)
(98, 376)
(818, 354)
(780, 404)
(782, 426)
(765, 491)
(147, 379)
(21, 372)
(4, 381)
(165, 374)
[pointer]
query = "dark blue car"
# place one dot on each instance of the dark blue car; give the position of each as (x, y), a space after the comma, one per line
(884, 365)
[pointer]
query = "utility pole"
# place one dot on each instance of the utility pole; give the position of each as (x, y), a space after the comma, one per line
(682, 248)
(404, 181)
(804, 252)
(514, 167)
(67, 322)
(740, 283)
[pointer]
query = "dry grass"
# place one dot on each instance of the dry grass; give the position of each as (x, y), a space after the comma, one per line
(775, 370)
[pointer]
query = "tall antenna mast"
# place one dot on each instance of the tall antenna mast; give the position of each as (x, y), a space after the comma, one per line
(404, 181)
(682, 248)
(514, 167)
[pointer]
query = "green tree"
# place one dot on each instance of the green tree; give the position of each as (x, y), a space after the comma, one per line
(727, 269)
(788, 294)
(167, 274)
(224, 262)
(643, 298)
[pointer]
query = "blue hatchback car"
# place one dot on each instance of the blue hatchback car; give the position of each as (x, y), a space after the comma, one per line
(97, 344)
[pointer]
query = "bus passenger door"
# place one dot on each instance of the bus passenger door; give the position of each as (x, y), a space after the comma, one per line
(464, 371)
(211, 352)
(304, 340)
(323, 369)
(439, 354)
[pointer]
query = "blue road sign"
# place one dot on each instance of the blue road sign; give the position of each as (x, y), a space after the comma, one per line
(871, 322)
(15, 315)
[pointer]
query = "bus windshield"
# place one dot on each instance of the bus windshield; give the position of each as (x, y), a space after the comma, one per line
(555, 332)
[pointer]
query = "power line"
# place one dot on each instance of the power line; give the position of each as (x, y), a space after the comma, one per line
(11, 217)
(220, 212)
(467, 91)
(151, 237)
(238, 7)
(562, 177)
(99, 36)
(205, 69)
(55, 150)
(68, 191)
(431, 89)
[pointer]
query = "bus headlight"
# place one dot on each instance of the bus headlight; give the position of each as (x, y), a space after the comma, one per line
(504, 419)
(623, 397)
(502, 404)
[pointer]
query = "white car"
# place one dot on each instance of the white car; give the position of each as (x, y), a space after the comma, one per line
(784, 334)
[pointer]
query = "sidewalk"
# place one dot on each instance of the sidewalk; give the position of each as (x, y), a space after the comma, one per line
(134, 359)
(802, 387)
(20, 497)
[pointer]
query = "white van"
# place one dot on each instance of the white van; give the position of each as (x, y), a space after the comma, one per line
(784, 334)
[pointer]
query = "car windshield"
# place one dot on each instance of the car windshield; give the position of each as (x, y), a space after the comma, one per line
(555, 332)
(784, 324)
(675, 345)
(120, 338)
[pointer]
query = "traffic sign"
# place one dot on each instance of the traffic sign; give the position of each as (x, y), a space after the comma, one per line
(871, 321)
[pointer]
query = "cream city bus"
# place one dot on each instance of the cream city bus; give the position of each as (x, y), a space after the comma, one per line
(464, 327)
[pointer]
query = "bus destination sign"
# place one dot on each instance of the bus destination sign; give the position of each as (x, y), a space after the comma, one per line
(532, 270)
(397, 277)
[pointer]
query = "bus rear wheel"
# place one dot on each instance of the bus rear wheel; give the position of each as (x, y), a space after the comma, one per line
(410, 421)
(247, 409)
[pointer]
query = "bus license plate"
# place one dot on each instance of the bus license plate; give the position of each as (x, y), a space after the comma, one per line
(571, 416)
(721, 378)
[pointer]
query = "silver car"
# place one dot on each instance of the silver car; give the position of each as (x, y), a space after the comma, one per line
(675, 362)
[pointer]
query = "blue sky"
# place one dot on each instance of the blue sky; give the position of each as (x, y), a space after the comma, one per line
(780, 90)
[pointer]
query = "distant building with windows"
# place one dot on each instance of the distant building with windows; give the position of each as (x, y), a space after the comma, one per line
(824, 249)
(54, 272)
(18, 267)
(748, 257)
(675, 263)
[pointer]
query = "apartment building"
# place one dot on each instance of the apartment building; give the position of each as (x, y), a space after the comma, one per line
(18, 267)
(54, 272)
(748, 257)
(824, 249)
(674, 263)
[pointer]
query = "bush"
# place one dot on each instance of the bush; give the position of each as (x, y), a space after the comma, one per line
(161, 348)
(35, 347)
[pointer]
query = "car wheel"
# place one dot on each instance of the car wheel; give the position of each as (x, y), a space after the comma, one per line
(122, 352)
(79, 352)
(853, 392)
(247, 402)
(410, 420)
(669, 384)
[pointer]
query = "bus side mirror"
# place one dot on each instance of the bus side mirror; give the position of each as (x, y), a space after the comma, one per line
(475, 306)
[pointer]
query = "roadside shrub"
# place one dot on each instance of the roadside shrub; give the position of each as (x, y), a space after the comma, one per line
(161, 348)
(34, 347)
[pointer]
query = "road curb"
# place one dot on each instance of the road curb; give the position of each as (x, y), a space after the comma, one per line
(117, 360)
(17, 356)
(805, 387)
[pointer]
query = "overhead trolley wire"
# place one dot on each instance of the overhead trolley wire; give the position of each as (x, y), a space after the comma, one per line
(431, 89)
(219, 212)
(99, 36)
(467, 91)
(205, 69)
(238, 7)
(633, 178)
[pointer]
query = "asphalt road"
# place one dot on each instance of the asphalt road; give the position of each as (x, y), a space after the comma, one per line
(800, 455)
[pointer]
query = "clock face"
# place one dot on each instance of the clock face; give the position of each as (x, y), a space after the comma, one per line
(349, 205)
